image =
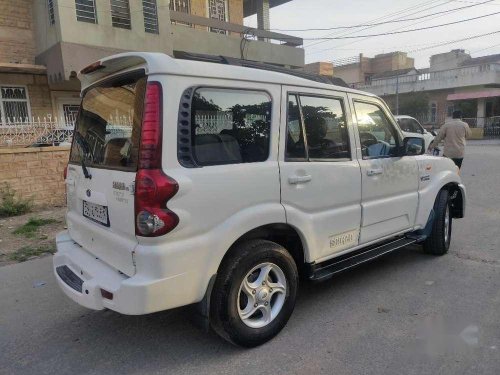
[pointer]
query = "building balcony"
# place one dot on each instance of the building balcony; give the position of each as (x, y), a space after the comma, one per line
(478, 75)
(203, 35)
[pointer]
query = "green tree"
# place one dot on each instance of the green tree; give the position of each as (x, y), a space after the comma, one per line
(415, 104)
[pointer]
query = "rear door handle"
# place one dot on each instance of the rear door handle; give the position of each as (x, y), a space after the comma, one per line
(374, 172)
(294, 180)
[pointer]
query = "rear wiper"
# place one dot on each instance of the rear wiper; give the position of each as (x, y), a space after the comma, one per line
(82, 142)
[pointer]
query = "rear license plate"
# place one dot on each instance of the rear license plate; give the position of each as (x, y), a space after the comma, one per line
(96, 212)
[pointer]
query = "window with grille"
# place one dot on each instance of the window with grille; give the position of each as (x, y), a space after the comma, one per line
(217, 9)
(14, 105)
(86, 11)
(183, 6)
(120, 14)
(150, 11)
(50, 8)
(180, 6)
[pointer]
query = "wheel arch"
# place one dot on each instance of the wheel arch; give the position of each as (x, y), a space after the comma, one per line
(281, 233)
(457, 197)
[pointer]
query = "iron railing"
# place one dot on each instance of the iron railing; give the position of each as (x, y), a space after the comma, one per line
(35, 132)
(442, 75)
(212, 23)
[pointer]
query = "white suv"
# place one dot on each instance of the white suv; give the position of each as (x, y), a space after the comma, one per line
(200, 183)
(412, 128)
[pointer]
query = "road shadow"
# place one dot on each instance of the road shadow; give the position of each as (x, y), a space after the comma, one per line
(107, 342)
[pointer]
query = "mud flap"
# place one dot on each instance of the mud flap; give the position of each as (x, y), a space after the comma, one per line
(422, 234)
(201, 310)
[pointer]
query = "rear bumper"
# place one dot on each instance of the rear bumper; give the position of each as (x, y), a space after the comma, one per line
(81, 276)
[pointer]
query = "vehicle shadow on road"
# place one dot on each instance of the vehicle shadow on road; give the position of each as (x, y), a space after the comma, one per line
(171, 338)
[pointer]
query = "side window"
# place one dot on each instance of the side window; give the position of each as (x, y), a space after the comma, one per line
(295, 138)
(418, 127)
(377, 135)
(409, 125)
(326, 128)
(230, 126)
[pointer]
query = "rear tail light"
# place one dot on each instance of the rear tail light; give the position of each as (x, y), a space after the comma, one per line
(153, 188)
(65, 173)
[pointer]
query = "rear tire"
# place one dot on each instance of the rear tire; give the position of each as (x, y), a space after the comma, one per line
(254, 293)
(439, 240)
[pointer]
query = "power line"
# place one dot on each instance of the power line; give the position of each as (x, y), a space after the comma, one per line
(399, 28)
(404, 31)
(390, 15)
(386, 22)
(456, 41)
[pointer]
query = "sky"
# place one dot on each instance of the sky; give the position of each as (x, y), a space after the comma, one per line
(304, 14)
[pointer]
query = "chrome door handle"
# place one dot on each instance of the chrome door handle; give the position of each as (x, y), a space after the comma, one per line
(294, 180)
(374, 172)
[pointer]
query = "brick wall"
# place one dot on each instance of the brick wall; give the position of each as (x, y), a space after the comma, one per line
(17, 44)
(35, 173)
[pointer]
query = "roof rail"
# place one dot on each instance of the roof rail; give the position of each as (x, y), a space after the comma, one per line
(258, 65)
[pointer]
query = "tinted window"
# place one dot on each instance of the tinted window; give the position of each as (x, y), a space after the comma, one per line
(377, 135)
(409, 125)
(295, 139)
(230, 126)
(108, 127)
(326, 128)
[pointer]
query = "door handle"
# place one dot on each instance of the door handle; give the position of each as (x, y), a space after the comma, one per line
(374, 172)
(294, 180)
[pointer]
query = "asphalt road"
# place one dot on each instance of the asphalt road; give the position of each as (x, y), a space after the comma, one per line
(408, 313)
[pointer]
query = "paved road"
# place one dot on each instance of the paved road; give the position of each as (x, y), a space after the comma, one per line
(407, 313)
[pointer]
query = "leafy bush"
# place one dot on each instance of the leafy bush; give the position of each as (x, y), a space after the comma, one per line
(10, 205)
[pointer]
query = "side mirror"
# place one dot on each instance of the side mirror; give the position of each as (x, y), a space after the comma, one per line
(434, 133)
(413, 146)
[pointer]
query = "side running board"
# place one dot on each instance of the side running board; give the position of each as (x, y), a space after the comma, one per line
(326, 269)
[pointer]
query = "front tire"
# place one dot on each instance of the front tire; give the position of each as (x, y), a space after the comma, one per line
(439, 240)
(254, 293)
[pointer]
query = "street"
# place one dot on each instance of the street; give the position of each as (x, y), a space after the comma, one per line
(406, 313)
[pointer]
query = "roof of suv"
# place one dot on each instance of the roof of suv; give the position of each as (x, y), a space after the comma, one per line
(404, 116)
(160, 63)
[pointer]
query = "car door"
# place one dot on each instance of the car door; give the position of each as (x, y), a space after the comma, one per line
(389, 181)
(320, 176)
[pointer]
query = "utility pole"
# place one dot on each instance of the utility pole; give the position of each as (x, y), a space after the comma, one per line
(397, 94)
(397, 88)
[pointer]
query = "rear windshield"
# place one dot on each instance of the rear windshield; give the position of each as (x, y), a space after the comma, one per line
(108, 127)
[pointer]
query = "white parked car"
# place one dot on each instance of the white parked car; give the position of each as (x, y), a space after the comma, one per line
(233, 182)
(412, 128)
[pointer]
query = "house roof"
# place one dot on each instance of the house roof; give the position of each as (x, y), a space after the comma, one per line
(481, 60)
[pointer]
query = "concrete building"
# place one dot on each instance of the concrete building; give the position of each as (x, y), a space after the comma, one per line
(454, 80)
(364, 69)
(320, 68)
(44, 43)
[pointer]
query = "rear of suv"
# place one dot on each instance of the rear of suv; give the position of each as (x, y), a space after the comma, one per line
(193, 182)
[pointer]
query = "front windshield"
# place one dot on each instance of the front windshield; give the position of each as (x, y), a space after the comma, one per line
(107, 131)
(409, 125)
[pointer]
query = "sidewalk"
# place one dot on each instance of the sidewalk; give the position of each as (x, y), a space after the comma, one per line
(484, 142)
